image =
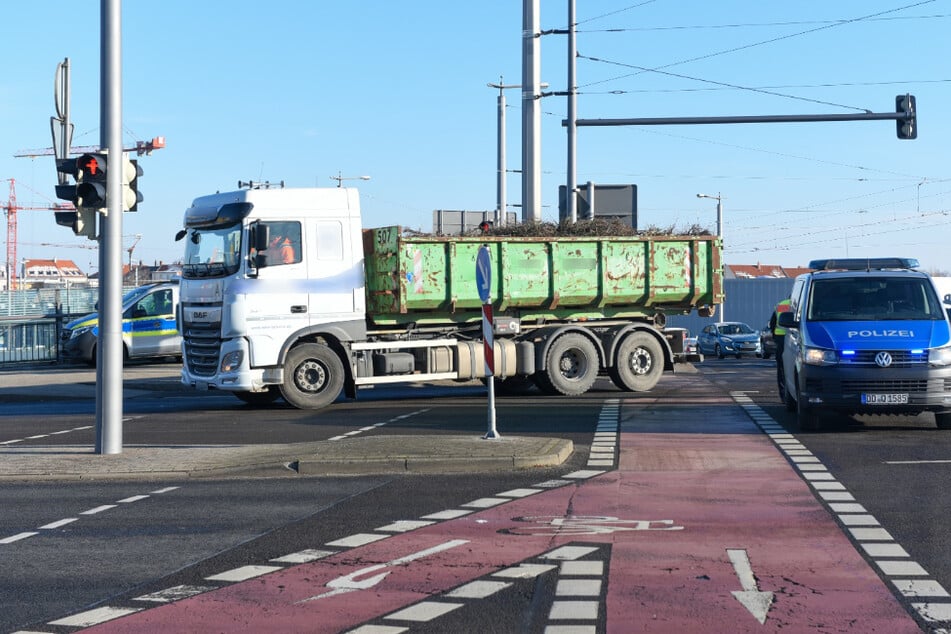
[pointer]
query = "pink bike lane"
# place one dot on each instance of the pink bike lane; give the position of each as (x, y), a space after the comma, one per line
(706, 527)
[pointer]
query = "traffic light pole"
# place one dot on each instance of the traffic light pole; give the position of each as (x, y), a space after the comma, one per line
(109, 349)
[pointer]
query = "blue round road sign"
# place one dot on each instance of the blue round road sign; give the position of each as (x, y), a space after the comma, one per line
(484, 274)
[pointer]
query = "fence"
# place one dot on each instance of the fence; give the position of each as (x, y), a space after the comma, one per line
(30, 321)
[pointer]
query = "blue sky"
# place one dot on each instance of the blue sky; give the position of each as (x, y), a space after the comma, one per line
(302, 91)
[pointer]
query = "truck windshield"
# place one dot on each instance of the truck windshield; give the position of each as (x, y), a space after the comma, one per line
(212, 252)
(873, 299)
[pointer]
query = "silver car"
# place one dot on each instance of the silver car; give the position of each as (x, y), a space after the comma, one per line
(729, 338)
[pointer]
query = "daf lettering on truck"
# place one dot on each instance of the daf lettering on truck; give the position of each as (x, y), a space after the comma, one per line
(284, 294)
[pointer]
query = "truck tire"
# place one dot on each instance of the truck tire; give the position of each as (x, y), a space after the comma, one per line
(259, 398)
(571, 366)
(639, 363)
(313, 376)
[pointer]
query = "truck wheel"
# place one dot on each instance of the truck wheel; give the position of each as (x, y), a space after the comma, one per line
(572, 364)
(313, 376)
(943, 420)
(639, 363)
(259, 398)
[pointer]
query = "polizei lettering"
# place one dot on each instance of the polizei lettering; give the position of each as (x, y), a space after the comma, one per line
(868, 334)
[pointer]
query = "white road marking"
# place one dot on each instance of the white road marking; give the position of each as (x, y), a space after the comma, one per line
(94, 617)
(478, 589)
(920, 588)
(484, 503)
(17, 537)
(582, 568)
(359, 539)
(165, 490)
(578, 588)
(424, 611)
(918, 462)
(59, 523)
(569, 552)
(404, 526)
(523, 571)
(134, 498)
(573, 611)
(859, 520)
(519, 493)
(378, 629)
(304, 556)
(449, 514)
(175, 593)
(244, 573)
(98, 509)
(901, 568)
(751, 598)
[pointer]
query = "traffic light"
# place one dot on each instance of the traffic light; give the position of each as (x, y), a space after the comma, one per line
(91, 171)
(81, 221)
(130, 184)
(907, 128)
(64, 190)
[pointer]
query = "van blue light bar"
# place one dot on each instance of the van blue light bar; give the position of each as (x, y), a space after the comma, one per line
(863, 264)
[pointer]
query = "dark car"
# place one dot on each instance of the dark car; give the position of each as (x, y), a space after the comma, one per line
(732, 338)
(766, 342)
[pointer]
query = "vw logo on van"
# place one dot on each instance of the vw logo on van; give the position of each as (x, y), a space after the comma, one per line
(883, 359)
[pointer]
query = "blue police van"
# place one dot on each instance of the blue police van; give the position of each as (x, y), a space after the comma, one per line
(866, 336)
(149, 327)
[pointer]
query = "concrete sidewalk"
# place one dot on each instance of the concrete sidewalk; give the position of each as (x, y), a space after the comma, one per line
(349, 456)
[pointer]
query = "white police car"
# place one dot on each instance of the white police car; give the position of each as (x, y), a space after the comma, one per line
(866, 336)
(149, 327)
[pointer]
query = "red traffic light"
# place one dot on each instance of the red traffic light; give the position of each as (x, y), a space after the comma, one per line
(92, 167)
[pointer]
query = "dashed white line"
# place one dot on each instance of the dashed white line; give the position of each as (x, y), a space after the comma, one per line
(98, 509)
(59, 523)
(244, 573)
(18, 537)
(94, 617)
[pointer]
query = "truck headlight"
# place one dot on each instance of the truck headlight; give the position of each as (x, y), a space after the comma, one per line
(232, 361)
(940, 356)
(820, 356)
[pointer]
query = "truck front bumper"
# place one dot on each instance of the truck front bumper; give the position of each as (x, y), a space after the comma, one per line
(237, 378)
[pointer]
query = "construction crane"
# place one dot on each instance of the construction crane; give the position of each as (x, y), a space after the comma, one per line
(12, 208)
(140, 148)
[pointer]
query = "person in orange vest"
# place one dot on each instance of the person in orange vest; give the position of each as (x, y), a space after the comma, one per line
(779, 336)
(282, 248)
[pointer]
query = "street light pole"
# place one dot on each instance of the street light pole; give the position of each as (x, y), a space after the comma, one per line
(501, 204)
(719, 199)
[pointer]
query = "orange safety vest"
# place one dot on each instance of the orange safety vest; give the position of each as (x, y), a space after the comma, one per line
(781, 307)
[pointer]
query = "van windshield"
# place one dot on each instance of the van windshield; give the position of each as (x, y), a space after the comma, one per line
(873, 299)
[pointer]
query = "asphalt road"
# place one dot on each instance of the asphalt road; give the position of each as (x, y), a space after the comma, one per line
(182, 532)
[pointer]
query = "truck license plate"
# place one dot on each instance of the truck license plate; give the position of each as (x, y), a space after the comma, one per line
(884, 399)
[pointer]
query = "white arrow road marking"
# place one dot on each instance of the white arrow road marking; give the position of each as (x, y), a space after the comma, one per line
(351, 582)
(758, 603)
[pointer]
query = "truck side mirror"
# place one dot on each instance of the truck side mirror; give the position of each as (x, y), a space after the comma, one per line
(787, 320)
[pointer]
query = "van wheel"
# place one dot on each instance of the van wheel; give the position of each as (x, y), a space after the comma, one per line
(639, 363)
(572, 364)
(313, 376)
(943, 420)
(259, 398)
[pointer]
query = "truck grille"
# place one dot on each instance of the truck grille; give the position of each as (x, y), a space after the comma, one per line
(202, 348)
